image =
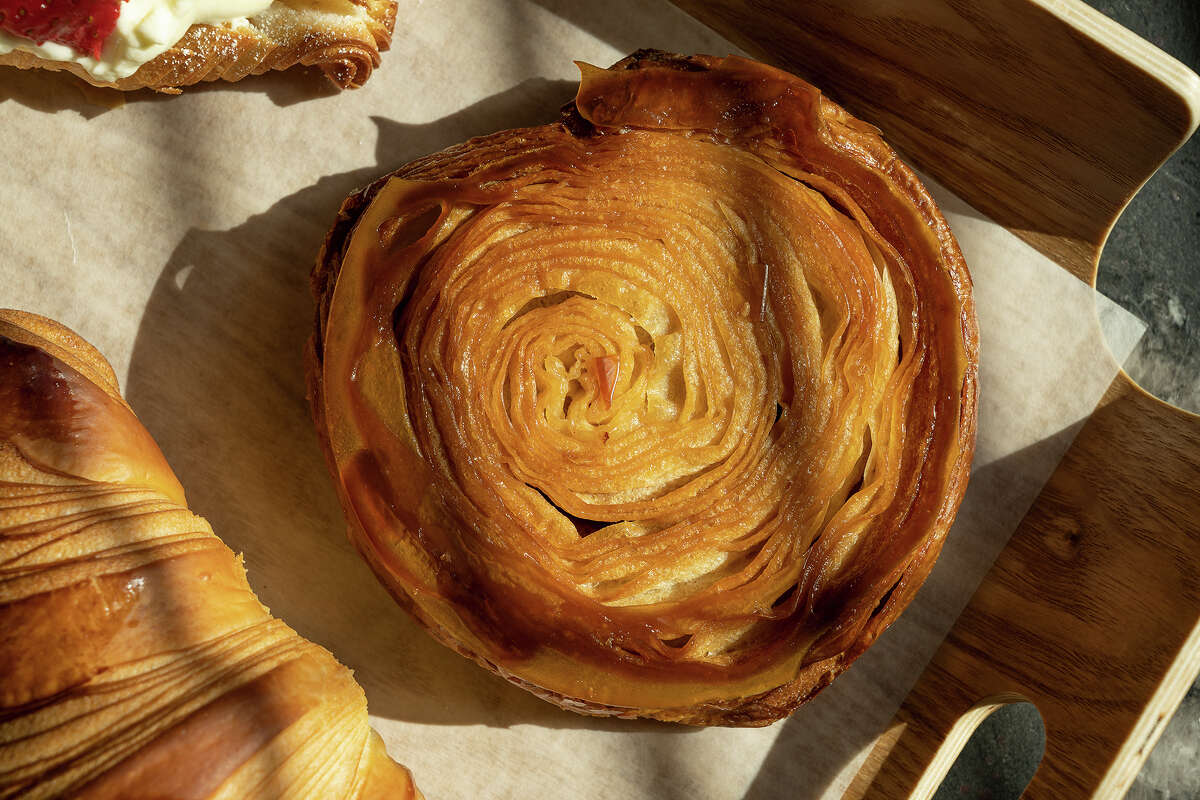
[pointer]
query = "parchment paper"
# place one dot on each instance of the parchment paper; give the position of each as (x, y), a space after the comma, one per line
(177, 235)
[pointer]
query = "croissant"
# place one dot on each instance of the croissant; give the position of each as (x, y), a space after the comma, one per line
(135, 660)
(663, 410)
(344, 38)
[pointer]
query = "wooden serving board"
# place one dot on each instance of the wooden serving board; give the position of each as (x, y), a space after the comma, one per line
(1048, 117)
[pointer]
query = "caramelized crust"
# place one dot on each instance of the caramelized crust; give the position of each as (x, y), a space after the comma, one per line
(663, 410)
(136, 660)
(342, 37)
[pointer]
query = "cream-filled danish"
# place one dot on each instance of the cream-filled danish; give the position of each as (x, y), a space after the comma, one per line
(166, 44)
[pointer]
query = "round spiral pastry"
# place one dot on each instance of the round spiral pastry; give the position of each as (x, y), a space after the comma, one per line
(663, 410)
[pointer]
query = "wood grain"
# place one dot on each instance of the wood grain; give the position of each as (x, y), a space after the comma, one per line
(1047, 117)
(1090, 613)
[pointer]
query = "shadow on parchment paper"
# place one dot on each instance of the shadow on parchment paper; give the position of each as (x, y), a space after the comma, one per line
(802, 764)
(660, 24)
(217, 377)
(52, 92)
(283, 87)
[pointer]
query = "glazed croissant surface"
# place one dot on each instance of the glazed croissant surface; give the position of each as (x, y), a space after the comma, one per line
(343, 38)
(136, 662)
(663, 410)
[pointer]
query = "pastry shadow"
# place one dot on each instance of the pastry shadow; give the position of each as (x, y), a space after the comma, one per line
(282, 87)
(217, 376)
(53, 92)
(661, 25)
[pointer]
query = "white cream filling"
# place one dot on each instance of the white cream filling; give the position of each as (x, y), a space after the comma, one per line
(144, 29)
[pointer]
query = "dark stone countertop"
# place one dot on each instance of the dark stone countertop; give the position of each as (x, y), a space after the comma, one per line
(1151, 266)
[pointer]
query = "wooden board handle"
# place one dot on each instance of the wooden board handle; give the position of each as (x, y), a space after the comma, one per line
(1091, 613)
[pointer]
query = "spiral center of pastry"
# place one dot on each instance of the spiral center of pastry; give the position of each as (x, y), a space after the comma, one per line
(724, 314)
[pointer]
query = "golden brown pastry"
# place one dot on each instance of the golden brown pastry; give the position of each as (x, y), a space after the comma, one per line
(344, 38)
(663, 410)
(135, 660)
